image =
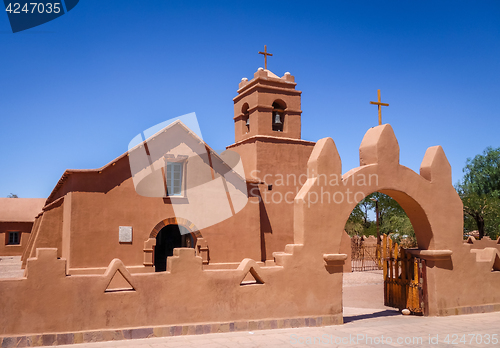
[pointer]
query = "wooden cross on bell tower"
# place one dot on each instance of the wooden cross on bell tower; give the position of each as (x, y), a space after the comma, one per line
(265, 56)
(380, 104)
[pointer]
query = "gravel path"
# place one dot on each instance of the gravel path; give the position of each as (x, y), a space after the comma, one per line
(363, 278)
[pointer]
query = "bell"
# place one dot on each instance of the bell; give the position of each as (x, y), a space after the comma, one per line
(248, 121)
(277, 119)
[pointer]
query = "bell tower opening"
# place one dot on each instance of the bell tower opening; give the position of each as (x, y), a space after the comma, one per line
(278, 116)
(246, 118)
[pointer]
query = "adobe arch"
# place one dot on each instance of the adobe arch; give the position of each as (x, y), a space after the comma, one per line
(413, 209)
(429, 199)
(151, 242)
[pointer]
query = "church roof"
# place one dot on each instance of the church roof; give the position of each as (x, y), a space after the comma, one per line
(56, 194)
(20, 209)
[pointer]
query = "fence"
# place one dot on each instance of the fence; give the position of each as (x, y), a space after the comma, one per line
(365, 256)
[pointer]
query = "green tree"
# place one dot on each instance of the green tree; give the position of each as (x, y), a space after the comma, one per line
(480, 193)
(387, 206)
(359, 222)
(392, 219)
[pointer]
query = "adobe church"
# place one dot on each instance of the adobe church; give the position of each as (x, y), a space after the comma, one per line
(86, 211)
(172, 238)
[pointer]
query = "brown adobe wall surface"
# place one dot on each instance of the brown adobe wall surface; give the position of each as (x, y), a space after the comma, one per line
(47, 231)
(485, 242)
(185, 294)
(345, 248)
(281, 164)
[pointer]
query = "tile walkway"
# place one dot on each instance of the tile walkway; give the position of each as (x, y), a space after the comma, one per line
(381, 328)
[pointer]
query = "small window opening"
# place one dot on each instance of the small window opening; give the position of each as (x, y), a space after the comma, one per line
(14, 238)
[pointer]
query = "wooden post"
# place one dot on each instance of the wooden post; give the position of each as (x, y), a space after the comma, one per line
(384, 253)
(415, 302)
(391, 272)
(395, 286)
(404, 281)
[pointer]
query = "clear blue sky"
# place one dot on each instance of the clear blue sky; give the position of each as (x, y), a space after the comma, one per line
(75, 91)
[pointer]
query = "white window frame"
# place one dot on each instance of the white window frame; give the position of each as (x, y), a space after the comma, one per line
(178, 188)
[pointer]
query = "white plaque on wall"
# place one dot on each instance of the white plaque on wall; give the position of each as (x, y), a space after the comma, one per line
(125, 234)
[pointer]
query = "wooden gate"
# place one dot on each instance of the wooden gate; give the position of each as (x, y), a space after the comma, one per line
(404, 278)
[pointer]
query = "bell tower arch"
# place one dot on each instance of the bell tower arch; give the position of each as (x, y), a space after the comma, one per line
(267, 105)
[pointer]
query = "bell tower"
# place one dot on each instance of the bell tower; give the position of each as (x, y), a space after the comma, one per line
(267, 122)
(268, 106)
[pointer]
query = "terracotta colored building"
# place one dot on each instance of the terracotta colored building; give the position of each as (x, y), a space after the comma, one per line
(16, 221)
(94, 216)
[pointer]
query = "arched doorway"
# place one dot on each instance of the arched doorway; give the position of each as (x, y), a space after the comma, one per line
(194, 240)
(377, 281)
(170, 237)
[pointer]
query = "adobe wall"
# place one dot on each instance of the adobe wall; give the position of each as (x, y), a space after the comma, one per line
(485, 242)
(14, 250)
(31, 241)
(464, 284)
(278, 161)
(47, 231)
(346, 248)
(185, 293)
(281, 163)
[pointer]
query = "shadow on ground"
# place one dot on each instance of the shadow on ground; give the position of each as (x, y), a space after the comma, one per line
(383, 313)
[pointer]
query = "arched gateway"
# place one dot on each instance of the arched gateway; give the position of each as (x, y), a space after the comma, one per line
(433, 206)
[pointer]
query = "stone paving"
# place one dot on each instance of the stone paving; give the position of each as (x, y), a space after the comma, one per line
(367, 323)
(379, 329)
